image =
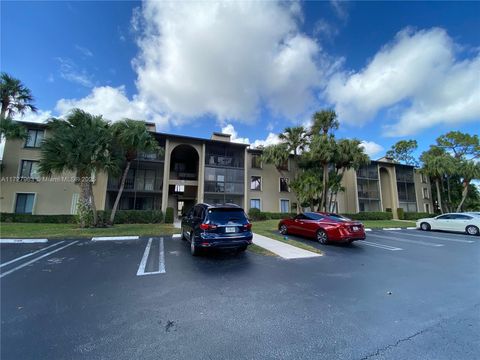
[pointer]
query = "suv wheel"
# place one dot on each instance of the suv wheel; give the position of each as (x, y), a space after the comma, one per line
(194, 250)
(425, 226)
(322, 237)
(183, 235)
(283, 229)
(472, 230)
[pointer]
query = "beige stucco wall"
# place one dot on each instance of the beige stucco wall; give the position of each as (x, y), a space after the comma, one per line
(270, 194)
(419, 186)
(52, 195)
(347, 200)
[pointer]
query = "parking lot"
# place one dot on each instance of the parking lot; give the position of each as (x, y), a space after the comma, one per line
(398, 295)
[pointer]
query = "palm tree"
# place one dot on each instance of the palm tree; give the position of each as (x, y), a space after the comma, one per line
(324, 122)
(468, 170)
(10, 129)
(80, 144)
(437, 163)
(349, 154)
(16, 98)
(277, 155)
(295, 138)
(132, 137)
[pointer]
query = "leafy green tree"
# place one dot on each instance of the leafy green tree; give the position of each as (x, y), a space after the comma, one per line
(130, 138)
(402, 152)
(469, 170)
(80, 144)
(276, 155)
(295, 138)
(462, 145)
(308, 187)
(436, 163)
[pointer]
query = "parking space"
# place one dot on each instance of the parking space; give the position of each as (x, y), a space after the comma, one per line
(149, 298)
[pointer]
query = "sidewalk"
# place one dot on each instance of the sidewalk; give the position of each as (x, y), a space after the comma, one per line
(281, 249)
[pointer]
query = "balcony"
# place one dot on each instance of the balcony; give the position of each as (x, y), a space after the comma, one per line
(136, 184)
(371, 195)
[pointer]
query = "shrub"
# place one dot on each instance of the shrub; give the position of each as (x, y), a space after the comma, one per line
(169, 215)
(122, 217)
(400, 213)
(132, 217)
(256, 215)
(278, 215)
(372, 215)
(417, 215)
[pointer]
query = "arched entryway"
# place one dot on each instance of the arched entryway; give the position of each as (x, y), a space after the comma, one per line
(183, 178)
(386, 186)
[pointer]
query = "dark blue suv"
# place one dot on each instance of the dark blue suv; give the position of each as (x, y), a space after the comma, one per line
(216, 226)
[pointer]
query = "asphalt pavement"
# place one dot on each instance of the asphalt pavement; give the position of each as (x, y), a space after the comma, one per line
(398, 295)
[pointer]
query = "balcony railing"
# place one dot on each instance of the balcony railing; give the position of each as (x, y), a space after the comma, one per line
(138, 184)
(373, 195)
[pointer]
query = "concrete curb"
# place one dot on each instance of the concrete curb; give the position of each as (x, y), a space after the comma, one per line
(282, 249)
(23, 241)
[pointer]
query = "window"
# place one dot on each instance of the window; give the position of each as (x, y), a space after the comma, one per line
(24, 204)
(301, 217)
(427, 208)
(198, 212)
(425, 193)
(256, 183)
(179, 188)
(255, 204)
(34, 138)
(444, 217)
(284, 206)
(423, 178)
(256, 162)
(284, 185)
(283, 166)
(29, 169)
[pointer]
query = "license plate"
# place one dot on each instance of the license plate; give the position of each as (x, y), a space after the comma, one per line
(355, 228)
(230, 229)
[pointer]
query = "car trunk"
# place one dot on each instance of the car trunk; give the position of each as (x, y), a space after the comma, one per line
(226, 222)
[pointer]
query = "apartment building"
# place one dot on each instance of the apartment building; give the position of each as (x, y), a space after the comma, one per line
(193, 170)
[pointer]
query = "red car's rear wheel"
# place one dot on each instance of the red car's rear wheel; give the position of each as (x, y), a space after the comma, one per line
(283, 229)
(322, 237)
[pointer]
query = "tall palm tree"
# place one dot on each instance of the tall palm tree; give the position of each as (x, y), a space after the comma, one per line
(16, 98)
(80, 144)
(132, 137)
(468, 170)
(276, 155)
(295, 138)
(437, 163)
(324, 122)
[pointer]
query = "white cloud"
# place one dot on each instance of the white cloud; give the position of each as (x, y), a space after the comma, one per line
(371, 148)
(84, 51)
(271, 139)
(225, 58)
(113, 104)
(417, 74)
(40, 116)
(340, 8)
(70, 72)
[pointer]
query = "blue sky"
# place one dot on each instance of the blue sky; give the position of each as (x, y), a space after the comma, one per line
(392, 70)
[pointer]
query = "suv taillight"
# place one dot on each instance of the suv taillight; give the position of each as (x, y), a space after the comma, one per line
(247, 226)
(208, 226)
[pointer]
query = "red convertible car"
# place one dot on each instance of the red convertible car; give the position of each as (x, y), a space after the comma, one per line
(324, 227)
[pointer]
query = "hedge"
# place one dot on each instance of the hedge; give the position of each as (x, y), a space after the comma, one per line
(169, 215)
(257, 215)
(417, 215)
(372, 215)
(121, 217)
(29, 218)
(132, 216)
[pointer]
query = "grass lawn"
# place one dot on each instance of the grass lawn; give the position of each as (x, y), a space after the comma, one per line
(31, 230)
(376, 224)
(269, 228)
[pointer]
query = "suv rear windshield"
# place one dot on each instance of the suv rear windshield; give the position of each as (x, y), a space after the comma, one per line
(226, 215)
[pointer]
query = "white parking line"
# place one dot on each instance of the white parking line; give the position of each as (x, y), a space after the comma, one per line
(36, 259)
(380, 246)
(22, 241)
(176, 236)
(161, 260)
(114, 238)
(407, 241)
(30, 254)
(441, 238)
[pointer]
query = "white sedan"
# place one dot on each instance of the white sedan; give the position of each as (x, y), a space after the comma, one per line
(452, 222)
